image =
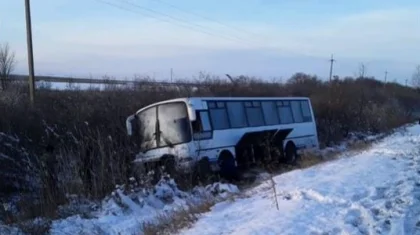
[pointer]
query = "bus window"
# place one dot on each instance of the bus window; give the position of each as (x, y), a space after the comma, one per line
(205, 121)
(254, 114)
(220, 104)
(306, 111)
(174, 124)
(202, 123)
(285, 113)
(202, 126)
(236, 112)
(219, 118)
(297, 111)
(271, 116)
(211, 105)
(147, 128)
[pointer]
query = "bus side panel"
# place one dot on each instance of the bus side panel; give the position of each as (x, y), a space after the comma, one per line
(303, 136)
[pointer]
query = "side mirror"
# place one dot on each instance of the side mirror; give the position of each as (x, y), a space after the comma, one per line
(191, 113)
(131, 124)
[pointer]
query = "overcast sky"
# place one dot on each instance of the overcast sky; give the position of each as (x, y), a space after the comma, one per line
(263, 38)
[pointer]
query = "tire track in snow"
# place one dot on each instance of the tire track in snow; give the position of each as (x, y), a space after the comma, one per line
(412, 218)
(400, 199)
(377, 210)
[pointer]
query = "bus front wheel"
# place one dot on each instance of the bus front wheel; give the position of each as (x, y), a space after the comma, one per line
(169, 164)
(203, 171)
(228, 169)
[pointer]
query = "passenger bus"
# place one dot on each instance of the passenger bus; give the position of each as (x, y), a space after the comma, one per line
(223, 133)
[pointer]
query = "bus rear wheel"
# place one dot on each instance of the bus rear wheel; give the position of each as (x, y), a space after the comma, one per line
(290, 154)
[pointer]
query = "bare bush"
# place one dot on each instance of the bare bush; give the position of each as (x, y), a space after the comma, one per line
(7, 64)
(183, 218)
(415, 79)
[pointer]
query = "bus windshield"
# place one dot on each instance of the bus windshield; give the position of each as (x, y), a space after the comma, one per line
(164, 125)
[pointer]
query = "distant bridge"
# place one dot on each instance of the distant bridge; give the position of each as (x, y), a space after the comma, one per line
(68, 80)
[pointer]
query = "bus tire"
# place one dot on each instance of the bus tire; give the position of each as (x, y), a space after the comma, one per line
(228, 169)
(290, 153)
(203, 170)
(169, 163)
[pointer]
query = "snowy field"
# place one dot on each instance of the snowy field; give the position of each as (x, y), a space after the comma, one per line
(374, 192)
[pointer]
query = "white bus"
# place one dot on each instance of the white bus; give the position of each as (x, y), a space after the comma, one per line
(222, 133)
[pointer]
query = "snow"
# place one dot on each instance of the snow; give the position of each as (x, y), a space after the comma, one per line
(125, 213)
(373, 192)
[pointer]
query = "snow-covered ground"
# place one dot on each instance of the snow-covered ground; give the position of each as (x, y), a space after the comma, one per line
(373, 192)
(126, 211)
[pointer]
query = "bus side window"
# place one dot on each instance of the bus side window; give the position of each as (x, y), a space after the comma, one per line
(197, 125)
(202, 127)
(306, 111)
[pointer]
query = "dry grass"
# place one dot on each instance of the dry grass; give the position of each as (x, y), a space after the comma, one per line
(176, 221)
(309, 160)
(360, 146)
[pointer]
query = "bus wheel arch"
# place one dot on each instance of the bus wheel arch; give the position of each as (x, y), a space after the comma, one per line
(224, 155)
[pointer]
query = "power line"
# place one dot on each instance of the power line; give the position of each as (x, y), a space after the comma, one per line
(185, 23)
(259, 36)
(124, 8)
(179, 22)
(206, 18)
(152, 16)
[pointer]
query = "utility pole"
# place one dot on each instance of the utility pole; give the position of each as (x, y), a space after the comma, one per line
(30, 52)
(406, 82)
(172, 72)
(331, 66)
(386, 75)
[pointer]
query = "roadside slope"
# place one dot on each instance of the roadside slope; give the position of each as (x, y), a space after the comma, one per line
(374, 192)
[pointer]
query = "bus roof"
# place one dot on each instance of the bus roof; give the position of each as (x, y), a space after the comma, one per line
(224, 98)
(247, 98)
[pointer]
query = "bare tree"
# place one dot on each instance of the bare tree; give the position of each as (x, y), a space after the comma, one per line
(7, 64)
(362, 70)
(361, 73)
(415, 79)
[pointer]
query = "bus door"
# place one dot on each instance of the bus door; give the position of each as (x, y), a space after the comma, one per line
(202, 132)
